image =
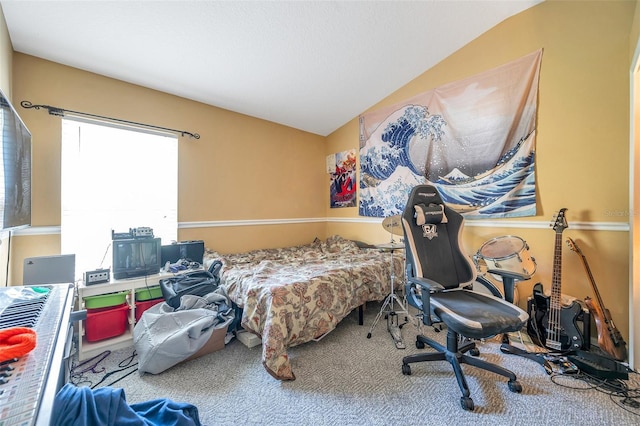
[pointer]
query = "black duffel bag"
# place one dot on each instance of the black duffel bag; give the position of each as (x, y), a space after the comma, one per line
(198, 283)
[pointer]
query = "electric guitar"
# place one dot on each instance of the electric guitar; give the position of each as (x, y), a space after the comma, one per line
(609, 338)
(553, 325)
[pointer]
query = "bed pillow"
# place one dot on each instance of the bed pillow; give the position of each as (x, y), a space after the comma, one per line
(337, 244)
(433, 214)
(210, 256)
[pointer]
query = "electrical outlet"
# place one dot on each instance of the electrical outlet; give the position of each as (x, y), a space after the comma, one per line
(96, 277)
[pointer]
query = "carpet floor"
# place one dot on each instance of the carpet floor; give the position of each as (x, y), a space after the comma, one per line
(349, 379)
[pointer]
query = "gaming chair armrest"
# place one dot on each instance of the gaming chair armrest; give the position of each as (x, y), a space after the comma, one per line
(509, 280)
(426, 283)
(424, 302)
(508, 274)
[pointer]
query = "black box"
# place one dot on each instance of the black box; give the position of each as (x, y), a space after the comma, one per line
(189, 250)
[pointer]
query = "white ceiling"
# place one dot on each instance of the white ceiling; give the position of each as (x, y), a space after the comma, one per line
(311, 65)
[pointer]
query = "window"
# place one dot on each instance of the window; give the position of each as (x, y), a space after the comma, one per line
(114, 178)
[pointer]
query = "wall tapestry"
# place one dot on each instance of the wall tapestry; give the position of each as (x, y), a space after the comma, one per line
(473, 139)
(342, 169)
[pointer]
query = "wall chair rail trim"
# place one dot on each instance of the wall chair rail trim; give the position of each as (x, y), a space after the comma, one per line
(522, 224)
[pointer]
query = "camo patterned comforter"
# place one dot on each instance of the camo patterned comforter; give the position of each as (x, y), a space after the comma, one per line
(293, 295)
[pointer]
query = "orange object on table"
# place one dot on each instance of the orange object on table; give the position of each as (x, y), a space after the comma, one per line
(16, 342)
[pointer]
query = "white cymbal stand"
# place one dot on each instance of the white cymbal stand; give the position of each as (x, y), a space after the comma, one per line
(388, 306)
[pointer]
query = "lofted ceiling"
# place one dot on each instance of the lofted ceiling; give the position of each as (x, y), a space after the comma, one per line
(310, 65)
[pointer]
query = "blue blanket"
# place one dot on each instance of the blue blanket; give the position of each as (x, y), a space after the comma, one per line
(75, 406)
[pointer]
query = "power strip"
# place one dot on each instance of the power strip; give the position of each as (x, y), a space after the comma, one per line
(98, 276)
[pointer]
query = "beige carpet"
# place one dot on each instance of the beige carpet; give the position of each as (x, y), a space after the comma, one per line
(347, 379)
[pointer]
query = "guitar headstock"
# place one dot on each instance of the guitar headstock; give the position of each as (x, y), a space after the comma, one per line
(573, 246)
(560, 222)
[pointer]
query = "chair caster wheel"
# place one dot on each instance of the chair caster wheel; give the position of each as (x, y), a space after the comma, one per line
(474, 352)
(419, 344)
(467, 403)
(515, 386)
(406, 369)
(368, 335)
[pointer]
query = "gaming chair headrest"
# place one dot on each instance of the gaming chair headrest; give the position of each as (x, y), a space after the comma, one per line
(432, 214)
(428, 207)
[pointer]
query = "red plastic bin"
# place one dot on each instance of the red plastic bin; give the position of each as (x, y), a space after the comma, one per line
(105, 323)
(143, 305)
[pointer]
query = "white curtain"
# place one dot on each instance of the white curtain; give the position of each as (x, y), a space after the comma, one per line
(114, 178)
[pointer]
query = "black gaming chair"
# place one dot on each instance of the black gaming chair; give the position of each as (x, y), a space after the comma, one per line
(439, 276)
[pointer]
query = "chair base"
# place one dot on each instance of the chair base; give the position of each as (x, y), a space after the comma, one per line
(457, 356)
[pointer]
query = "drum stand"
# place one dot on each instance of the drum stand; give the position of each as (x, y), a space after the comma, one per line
(388, 309)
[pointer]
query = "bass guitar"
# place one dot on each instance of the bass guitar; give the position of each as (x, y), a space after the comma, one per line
(609, 338)
(554, 325)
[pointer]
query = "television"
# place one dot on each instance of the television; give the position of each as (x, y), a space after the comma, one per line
(136, 257)
(15, 168)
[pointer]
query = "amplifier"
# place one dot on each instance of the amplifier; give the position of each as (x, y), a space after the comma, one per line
(141, 232)
(583, 322)
(190, 250)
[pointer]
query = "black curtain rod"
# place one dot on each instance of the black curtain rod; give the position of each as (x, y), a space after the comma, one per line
(59, 112)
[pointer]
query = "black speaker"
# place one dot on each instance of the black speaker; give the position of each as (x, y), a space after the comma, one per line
(582, 321)
(189, 250)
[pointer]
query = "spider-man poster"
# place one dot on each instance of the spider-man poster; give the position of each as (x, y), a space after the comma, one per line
(343, 179)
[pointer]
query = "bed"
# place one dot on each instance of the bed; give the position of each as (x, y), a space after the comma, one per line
(294, 295)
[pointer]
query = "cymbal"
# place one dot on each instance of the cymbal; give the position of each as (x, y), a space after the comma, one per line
(390, 246)
(393, 224)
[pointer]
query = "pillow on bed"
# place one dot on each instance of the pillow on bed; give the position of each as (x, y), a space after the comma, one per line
(337, 244)
(433, 213)
(210, 256)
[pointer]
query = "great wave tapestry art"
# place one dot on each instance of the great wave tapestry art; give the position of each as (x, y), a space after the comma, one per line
(473, 139)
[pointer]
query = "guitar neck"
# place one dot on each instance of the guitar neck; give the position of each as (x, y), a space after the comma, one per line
(555, 303)
(557, 274)
(593, 281)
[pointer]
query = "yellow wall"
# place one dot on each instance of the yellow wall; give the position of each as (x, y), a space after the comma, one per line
(241, 168)
(582, 153)
(249, 169)
(6, 55)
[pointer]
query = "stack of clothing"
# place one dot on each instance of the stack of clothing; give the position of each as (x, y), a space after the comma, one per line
(108, 407)
(165, 336)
